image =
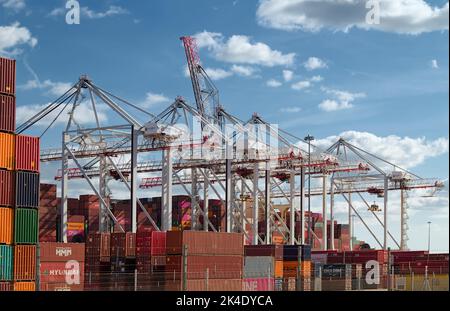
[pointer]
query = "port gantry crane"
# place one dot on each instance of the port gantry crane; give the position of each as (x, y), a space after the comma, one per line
(192, 149)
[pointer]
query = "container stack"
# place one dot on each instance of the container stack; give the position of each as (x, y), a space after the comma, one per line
(123, 261)
(19, 165)
(98, 262)
(297, 267)
(48, 213)
(62, 266)
(334, 277)
(263, 264)
(7, 186)
(150, 260)
(204, 261)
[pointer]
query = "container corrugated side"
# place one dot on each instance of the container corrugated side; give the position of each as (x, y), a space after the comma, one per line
(6, 263)
(61, 252)
(7, 113)
(5, 286)
(7, 151)
(259, 266)
(27, 189)
(27, 153)
(7, 76)
(24, 286)
(26, 226)
(24, 262)
(6, 225)
(7, 187)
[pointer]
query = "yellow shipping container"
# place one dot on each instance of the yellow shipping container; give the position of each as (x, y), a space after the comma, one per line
(7, 151)
(6, 225)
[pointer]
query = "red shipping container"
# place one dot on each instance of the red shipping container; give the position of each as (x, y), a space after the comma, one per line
(5, 287)
(7, 113)
(7, 187)
(62, 273)
(203, 285)
(7, 76)
(258, 285)
(220, 267)
(205, 243)
(275, 251)
(62, 252)
(61, 287)
(123, 245)
(27, 153)
(158, 246)
(24, 262)
(98, 247)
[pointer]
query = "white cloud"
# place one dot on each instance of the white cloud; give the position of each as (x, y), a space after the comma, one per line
(288, 75)
(301, 85)
(15, 5)
(316, 79)
(91, 14)
(153, 99)
(218, 73)
(291, 109)
(245, 71)
(404, 17)
(83, 114)
(314, 63)
(434, 64)
(52, 88)
(273, 83)
(13, 36)
(343, 100)
(239, 49)
(404, 151)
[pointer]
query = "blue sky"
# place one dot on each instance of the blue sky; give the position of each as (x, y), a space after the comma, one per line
(384, 80)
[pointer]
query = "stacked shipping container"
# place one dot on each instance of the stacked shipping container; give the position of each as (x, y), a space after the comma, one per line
(204, 261)
(19, 187)
(263, 265)
(48, 213)
(150, 260)
(62, 266)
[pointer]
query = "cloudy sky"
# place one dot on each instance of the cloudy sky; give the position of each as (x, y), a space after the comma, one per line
(311, 66)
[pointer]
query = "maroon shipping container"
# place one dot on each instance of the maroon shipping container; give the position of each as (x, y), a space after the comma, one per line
(7, 187)
(62, 273)
(202, 285)
(7, 76)
(220, 267)
(27, 153)
(98, 247)
(123, 245)
(62, 252)
(5, 287)
(205, 243)
(7, 113)
(275, 251)
(61, 287)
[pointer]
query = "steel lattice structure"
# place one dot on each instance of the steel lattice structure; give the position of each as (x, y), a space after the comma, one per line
(212, 162)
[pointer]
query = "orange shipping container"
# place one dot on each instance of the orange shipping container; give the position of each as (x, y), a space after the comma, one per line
(7, 151)
(24, 286)
(6, 225)
(27, 153)
(24, 262)
(278, 269)
(290, 269)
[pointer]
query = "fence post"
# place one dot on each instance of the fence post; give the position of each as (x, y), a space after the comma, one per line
(135, 280)
(206, 279)
(185, 252)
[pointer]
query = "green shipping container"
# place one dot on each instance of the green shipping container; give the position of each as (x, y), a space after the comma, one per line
(26, 226)
(6, 263)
